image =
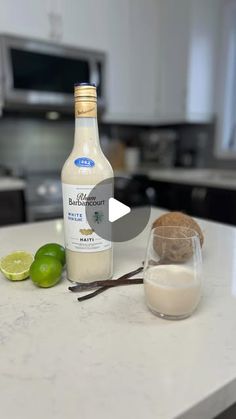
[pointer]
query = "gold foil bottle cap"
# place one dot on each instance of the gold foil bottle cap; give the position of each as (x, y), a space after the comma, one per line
(85, 92)
(85, 100)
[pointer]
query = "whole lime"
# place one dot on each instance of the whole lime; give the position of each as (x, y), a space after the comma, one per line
(52, 249)
(46, 271)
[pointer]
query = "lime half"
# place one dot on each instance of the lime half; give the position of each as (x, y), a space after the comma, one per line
(16, 265)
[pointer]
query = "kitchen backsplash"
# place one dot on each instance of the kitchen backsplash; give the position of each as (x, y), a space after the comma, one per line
(36, 144)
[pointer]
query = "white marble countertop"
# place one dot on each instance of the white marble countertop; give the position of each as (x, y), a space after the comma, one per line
(223, 179)
(215, 178)
(110, 357)
(8, 183)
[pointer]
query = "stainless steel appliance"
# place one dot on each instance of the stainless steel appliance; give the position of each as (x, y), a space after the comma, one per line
(41, 75)
(43, 196)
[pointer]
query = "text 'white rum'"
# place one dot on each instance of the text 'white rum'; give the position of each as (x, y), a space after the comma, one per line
(88, 256)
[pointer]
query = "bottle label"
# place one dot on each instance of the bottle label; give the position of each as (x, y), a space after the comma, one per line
(84, 162)
(79, 236)
(85, 109)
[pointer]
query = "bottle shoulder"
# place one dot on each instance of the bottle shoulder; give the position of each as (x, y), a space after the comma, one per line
(73, 174)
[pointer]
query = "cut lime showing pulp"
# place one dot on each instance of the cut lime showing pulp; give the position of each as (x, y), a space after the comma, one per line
(16, 265)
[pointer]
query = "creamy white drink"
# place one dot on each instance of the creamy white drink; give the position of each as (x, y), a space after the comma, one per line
(172, 290)
(88, 256)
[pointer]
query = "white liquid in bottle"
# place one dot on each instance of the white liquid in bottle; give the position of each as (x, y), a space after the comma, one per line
(88, 256)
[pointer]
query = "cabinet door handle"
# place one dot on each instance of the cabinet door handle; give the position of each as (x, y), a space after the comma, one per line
(199, 194)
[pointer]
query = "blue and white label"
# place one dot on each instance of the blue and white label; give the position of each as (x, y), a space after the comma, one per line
(84, 162)
(79, 235)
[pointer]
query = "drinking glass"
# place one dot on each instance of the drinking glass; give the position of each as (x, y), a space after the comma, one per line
(173, 272)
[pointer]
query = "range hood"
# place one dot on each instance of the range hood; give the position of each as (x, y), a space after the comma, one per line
(36, 75)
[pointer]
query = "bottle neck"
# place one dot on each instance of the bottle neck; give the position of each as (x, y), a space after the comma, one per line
(86, 123)
(86, 135)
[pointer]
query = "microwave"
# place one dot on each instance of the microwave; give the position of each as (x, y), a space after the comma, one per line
(37, 75)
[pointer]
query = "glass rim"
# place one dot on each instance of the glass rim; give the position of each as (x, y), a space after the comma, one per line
(194, 234)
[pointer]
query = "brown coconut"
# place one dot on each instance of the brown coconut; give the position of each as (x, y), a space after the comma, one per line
(176, 250)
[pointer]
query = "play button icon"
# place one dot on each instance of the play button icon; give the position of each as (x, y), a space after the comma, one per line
(117, 210)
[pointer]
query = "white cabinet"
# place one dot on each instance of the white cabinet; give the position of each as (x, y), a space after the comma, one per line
(127, 31)
(160, 53)
(132, 76)
(188, 33)
(85, 23)
(202, 71)
(173, 59)
(118, 89)
(104, 25)
(26, 18)
(143, 60)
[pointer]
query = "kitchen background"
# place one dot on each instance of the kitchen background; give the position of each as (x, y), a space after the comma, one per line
(166, 71)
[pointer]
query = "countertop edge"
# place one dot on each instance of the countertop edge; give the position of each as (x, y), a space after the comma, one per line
(214, 404)
(11, 184)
